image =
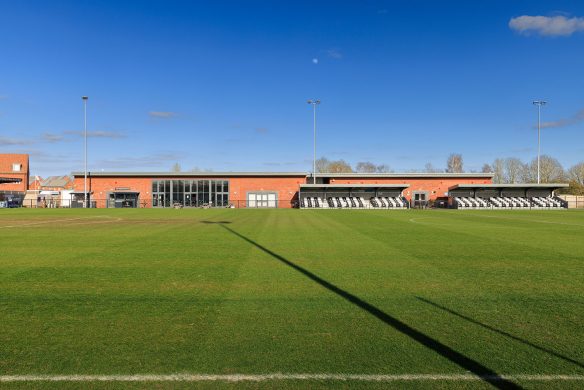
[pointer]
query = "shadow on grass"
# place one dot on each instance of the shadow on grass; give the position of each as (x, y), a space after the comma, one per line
(501, 332)
(443, 350)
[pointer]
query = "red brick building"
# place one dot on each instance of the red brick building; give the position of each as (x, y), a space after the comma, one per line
(249, 189)
(14, 172)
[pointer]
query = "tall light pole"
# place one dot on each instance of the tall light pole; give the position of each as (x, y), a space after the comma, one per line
(538, 103)
(314, 102)
(85, 148)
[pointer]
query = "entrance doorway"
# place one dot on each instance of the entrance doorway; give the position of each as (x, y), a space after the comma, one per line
(262, 199)
(420, 199)
(123, 200)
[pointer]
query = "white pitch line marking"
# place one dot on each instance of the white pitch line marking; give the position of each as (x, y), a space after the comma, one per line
(85, 221)
(282, 377)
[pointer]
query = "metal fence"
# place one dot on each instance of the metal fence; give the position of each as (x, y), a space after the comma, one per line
(140, 203)
(574, 201)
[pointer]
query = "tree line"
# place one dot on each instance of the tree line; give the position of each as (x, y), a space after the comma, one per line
(510, 170)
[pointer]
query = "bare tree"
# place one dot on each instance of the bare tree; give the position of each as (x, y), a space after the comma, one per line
(498, 170)
(576, 173)
(383, 168)
(515, 171)
(430, 168)
(487, 168)
(322, 165)
(551, 171)
(365, 167)
(454, 164)
(340, 166)
(176, 167)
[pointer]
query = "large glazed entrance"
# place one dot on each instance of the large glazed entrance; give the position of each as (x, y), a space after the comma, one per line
(190, 193)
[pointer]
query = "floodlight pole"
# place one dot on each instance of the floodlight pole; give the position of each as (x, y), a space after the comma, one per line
(539, 103)
(314, 103)
(85, 149)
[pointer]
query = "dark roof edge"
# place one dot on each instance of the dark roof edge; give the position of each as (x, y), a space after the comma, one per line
(406, 174)
(289, 174)
(189, 174)
(398, 185)
(519, 185)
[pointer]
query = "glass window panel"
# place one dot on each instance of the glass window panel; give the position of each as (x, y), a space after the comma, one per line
(187, 186)
(154, 185)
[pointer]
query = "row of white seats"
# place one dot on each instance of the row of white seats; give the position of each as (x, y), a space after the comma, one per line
(353, 202)
(468, 202)
(311, 202)
(333, 202)
(508, 202)
(547, 202)
(347, 202)
(388, 202)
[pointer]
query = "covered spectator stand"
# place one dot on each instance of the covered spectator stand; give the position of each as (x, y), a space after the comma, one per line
(526, 195)
(352, 196)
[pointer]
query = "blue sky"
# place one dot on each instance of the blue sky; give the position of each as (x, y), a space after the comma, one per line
(223, 85)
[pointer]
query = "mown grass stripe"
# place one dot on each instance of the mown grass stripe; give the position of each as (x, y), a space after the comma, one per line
(289, 376)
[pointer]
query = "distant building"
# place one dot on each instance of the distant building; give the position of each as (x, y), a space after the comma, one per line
(56, 183)
(34, 183)
(14, 173)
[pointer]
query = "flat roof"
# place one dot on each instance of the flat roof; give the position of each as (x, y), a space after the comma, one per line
(502, 186)
(333, 186)
(410, 174)
(190, 174)
(288, 174)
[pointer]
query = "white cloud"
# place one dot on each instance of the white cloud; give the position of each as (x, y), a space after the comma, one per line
(334, 53)
(96, 133)
(6, 141)
(551, 26)
(162, 114)
(576, 118)
(153, 160)
(50, 137)
(315, 61)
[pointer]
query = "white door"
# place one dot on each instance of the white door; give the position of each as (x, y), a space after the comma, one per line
(251, 200)
(261, 199)
(272, 200)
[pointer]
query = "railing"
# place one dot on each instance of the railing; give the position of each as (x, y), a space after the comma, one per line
(573, 201)
(139, 203)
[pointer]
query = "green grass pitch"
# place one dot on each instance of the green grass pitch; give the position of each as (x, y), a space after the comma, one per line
(444, 292)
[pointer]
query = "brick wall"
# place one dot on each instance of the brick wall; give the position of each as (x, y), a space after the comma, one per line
(286, 187)
(6, 170)
(436, 187)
